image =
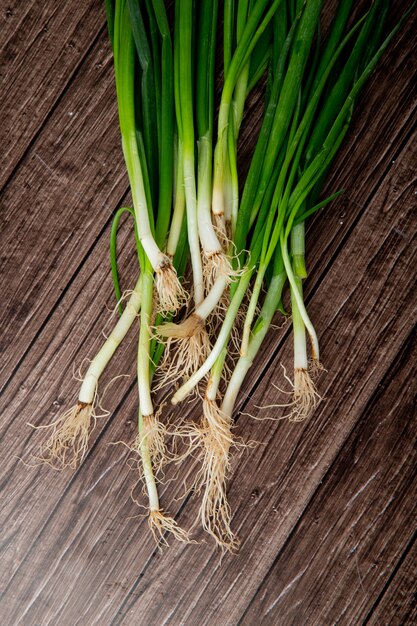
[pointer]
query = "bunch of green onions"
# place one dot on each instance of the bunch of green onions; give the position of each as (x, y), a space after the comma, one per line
(215, 249)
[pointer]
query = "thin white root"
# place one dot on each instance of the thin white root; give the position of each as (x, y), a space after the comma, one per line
(315, 367)
(305, 396)
(160, 524)
(211, 443)
(188, 346)
(171, 294)
(68, 442)
(216, 264)
(155, 433)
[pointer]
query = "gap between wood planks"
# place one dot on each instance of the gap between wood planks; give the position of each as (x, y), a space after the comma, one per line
(395, 602)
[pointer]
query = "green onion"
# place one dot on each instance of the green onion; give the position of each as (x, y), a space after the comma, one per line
(239, 250)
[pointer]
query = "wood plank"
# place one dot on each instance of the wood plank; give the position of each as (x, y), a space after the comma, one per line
(359, 522)
(272, 484)
(79, 533)
(42, 47)
(57, 204)
(76, 334)
(398, 604)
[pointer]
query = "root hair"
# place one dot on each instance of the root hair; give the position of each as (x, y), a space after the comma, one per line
(220, 228)
(188, 345)
(212, 442)
(216, 264)
(305, 396)
(67, 444)
(161, 524)
(171, 295)
(155, 434)
(315, 367)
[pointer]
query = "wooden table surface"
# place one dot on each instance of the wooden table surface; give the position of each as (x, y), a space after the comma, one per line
(325, 509)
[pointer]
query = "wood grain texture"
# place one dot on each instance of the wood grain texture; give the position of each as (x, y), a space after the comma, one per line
(72, 342)
(68, 539)
(75, 549)
(357, 525)
(398, 605)
(43, 44)
(58, 202)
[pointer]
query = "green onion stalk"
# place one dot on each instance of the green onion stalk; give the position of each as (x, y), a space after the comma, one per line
(171, 295)
(188, 343)
(215, 262)
(252, 26)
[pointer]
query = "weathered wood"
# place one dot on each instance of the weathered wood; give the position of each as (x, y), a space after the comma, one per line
(72, 341)
(370, 132)
(354, 531)
(77, 325)
(43, 45)
(58, 203)
(398, 604)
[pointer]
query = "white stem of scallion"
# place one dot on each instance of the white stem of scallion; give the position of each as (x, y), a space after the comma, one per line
(207, 306)
(102, 358)
(300, 345)
(156, 258)
(242, 367)
(299, 300)
(192, 223)
(143, 363)
(209, 240)
(148, 473)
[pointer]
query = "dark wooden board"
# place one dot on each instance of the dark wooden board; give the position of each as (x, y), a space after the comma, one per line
(72, 341)
(59, 202)
(357, 525)
(42, 47)
(304, 453)
(398, 602)
(73, 549)
(273, 483)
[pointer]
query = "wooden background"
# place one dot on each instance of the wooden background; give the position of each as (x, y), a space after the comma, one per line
(325, 510)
